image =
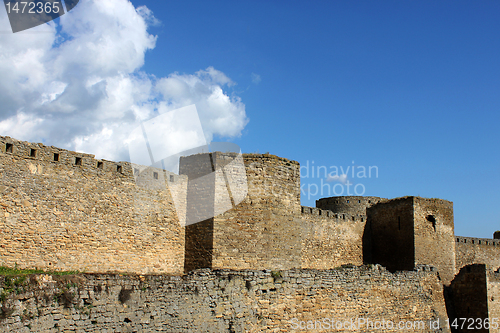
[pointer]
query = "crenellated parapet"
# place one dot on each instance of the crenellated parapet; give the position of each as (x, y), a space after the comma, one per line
(59, 156)
(352, 208)
(471, 250)
(340, 217)
(477, 241)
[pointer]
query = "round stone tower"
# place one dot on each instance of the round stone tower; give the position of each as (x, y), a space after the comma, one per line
(350, 205)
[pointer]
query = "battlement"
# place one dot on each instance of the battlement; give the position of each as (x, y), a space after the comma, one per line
(59, 157)
(317, 211)
(477, 241)
(329, 214)
(352, 208)
(40, 152)
(270, 157)
(471, 250)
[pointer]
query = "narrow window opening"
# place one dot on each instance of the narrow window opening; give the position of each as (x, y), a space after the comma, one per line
(359, 201)
(99, 165)
(369, 201)
(362, 220)
(458, 239)
(9, 147)
(472, 241)
(343, 216)
(171, 178)
(347, 201)
(155, 175)
(479, 242)
(78, 161)
(353, 218)
(119, 168)
(56, 157)
(432, 219)
(32, 152)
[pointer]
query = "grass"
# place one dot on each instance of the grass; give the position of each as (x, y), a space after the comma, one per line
(16, 279)
(8, 271)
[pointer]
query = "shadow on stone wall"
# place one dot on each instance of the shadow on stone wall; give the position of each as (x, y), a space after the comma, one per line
(199, 245)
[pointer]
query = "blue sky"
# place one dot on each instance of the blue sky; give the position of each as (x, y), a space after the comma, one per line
(411, 87)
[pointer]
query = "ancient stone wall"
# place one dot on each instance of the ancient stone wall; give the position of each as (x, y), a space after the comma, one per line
(389, 235)
(475, 296)
(493, 285)
(265, 229)
(217, 183)
(353, 206)
(471, 250)
(63, 210)
(331, 240)
(227, 301)
(434, 235)
(409, 231)
(469, 295)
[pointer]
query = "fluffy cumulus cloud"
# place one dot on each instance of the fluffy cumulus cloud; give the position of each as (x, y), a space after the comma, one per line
(79, 85)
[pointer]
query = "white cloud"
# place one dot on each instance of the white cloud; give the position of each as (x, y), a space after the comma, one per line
(82, 88)
(220, 114)
(256, 78)
(341, 179)
(148, 16)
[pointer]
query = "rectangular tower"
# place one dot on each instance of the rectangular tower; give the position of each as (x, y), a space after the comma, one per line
(258, 225)
(410, 231)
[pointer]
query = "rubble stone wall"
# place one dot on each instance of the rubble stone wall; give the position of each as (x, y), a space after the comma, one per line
(226, 301)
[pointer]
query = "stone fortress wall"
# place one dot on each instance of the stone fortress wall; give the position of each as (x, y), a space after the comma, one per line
(471, 250)
(63, 210)
(230, 301)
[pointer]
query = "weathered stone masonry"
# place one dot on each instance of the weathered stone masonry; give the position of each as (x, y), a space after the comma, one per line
(224, 301)
(63, 210)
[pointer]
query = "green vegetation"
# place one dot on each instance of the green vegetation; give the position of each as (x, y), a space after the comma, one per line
(13, 284)
(16, 280)
(276, 274)
(8, 271)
